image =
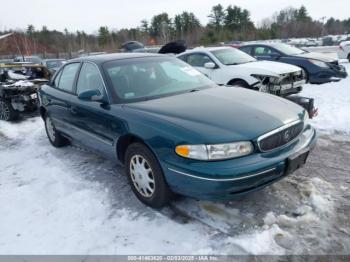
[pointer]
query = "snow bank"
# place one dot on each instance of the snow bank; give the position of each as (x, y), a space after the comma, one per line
(261, 243)
(47, 207)
(333, 103)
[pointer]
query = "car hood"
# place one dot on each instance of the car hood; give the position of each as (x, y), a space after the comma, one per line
(268, 67)
(317, 56)
(222, 114)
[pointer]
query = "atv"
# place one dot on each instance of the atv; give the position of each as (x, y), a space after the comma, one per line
(19, 83)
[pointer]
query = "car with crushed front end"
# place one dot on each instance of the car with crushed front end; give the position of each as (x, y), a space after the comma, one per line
(230, 66)
(173, 129)
(19, 83)
(318, 68)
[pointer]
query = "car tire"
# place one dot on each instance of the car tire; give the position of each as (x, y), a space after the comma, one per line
(55, 138)
(7, 112)
(146, 176)
(349, 57)
(239, 83)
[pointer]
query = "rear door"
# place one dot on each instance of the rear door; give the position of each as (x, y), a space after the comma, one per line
(59, 98)
(91, 119)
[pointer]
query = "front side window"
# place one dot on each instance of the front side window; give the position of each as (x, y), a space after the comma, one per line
(67, 78)
(148, 78)
(198, 60)
(89, 79)
(263, 50)
(232, 56)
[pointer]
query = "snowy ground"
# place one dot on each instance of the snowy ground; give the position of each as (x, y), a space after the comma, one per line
(71, 201)
(333, 102)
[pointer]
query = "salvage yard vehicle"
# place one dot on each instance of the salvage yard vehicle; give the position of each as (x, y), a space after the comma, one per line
(28, 59)
(172, 128)
(229, 66)
(18, 88)
(232, 67)
(344, 50)
(53, 64)
(318, 68)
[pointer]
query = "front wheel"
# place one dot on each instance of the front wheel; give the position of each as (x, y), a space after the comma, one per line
(7, 112)
(146, 176)
(55, 138)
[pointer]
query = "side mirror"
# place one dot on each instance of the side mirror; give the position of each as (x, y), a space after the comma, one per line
(92, 95)
(209, 65)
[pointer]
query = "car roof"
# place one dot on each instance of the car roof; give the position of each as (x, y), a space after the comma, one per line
(54, 59)
(99, 59)
(206, 49)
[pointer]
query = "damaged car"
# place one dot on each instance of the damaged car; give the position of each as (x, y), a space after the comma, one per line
(232, 67)
(19, 84)
(318, 68)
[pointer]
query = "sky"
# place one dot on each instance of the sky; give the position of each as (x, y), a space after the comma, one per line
(89, 15)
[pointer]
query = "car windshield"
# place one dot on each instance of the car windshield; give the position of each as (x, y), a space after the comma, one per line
(54, 64)
(152, 77)
(232, 56)
(288, 49)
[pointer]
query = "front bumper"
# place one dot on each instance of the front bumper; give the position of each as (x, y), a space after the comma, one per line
(222, 180)
(328, 75)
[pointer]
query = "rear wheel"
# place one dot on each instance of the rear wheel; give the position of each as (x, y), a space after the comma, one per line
(146, 176)
(55, 138)
(7, 112)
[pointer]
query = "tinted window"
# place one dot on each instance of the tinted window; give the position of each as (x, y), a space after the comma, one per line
(146, 78)
(246, 49)
(232, 56)
(89, 79)
(67, 77)
(198, 60)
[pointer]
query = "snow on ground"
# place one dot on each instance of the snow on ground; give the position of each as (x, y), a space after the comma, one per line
(333, 103)
(71, 201)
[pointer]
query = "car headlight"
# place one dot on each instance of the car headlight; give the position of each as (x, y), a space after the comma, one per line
(319, 63)
(215, 152)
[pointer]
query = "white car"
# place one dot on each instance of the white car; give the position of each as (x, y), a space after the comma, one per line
(344, 50)
(230, 66)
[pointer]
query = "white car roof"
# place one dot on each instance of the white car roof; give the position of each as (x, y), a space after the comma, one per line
(207, 49)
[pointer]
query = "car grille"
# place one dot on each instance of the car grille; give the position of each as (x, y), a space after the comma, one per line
(280, 137)
(291, 78)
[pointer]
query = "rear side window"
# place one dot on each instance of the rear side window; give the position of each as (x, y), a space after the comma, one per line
(66, 81)
(246, 49)
(89, 79)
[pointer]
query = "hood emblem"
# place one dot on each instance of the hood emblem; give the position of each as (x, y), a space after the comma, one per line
(286, 135)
